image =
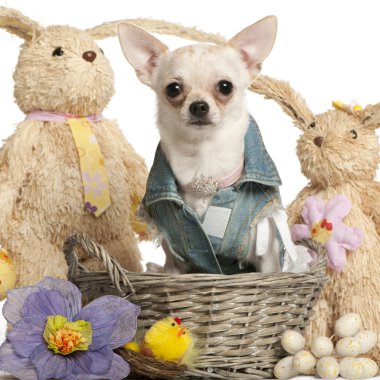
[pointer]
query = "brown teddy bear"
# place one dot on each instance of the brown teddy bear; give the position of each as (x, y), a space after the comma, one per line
(62, 72)
(339, 154)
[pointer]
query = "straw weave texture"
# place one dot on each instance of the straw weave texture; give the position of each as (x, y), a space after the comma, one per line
(237, 319)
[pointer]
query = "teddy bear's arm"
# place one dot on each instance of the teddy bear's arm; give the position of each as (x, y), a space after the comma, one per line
(371, 203)
(294, 210)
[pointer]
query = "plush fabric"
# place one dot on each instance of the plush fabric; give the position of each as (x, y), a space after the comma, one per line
(344, 163)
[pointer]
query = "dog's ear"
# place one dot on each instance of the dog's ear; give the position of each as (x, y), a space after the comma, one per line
(141, 49)
(255, 42)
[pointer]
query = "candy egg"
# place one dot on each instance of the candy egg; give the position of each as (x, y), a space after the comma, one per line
(328, 368)
(7, 274)
(348, 325)
(352, 368)
(348, 346)
(367, 340)
(284, 368)
(322, 346)
(370, 367)
(292, 341)
(304, 362)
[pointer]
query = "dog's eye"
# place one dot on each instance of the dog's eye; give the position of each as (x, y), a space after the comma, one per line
(173, 89)
(354, 134)
(312, 124)
(101, 50)
(58, 51)
(225, 87)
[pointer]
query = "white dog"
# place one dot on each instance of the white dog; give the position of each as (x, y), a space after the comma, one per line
(213, 189)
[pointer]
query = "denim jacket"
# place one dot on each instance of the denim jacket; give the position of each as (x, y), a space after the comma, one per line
(247, 198)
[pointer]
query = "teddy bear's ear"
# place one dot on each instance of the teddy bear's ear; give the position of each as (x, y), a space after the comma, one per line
(16, 23)
(109, 29)
(371, 118)
(291, 102)
(105, 30)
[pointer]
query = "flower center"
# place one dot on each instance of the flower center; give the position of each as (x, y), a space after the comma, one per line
(66, 340)
(64, 337)
(321, 231)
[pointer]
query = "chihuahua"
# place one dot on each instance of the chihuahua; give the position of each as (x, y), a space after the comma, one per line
(213, 189)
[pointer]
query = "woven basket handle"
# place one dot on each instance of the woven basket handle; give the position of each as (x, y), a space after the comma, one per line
(319, 250)
(112, 266)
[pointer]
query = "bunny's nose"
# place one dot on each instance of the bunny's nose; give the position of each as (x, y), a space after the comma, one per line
(89, 56)
(318, 141)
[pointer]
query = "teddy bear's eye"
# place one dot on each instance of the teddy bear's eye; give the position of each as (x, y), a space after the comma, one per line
(312, 124)
(58, 51)
(354, 134)
(173, 324)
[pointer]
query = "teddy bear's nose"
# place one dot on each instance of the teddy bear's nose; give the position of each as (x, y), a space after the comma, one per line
(89, 56)
(318, 141)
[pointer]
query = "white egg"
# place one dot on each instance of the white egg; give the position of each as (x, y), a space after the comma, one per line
(348, 325)
(322, 346)
(370, 367)
(304, 362)
(292, 341)
(328, 368)
(367, 340)
(284, 368)
(352, 368)
(348, 346)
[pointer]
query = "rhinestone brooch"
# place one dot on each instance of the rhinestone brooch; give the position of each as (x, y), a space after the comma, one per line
(204, 186)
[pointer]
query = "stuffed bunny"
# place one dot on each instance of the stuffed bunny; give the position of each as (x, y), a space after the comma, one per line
(61, 71)
(339, 154)
(63, 82)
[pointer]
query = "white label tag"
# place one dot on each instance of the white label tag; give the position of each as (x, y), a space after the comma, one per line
(216, 221)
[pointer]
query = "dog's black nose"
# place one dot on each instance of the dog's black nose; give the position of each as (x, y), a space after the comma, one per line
(318, 141)
(89, 56)
(199, 109)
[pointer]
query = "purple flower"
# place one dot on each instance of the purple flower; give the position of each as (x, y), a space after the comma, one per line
(52, 337)
(90, 208)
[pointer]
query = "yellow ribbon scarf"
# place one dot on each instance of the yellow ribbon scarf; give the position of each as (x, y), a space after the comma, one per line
(94, 176)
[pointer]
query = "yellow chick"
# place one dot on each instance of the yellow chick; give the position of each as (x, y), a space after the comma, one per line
(166, 340)
(7, 273)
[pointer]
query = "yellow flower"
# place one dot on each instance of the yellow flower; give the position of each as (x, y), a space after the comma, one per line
(64, 337)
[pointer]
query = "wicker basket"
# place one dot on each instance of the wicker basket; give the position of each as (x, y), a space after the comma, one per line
(237, 319)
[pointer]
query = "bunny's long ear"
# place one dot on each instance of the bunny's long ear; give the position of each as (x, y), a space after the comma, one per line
(16, 23)
(371, 118)
(109, 29)
(291, 102)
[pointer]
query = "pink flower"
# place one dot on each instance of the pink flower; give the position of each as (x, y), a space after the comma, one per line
(324, 224)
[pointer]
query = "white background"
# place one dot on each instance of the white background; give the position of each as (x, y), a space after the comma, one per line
(328, 50)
